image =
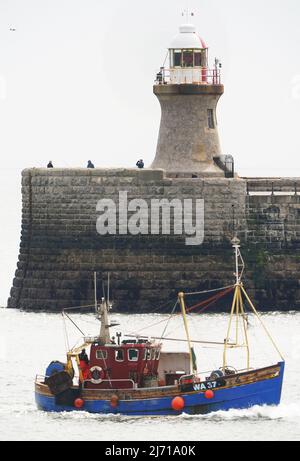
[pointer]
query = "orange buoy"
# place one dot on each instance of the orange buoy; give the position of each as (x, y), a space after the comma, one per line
(178, 403)
(79, 403)
(114, 401)
(209, 395)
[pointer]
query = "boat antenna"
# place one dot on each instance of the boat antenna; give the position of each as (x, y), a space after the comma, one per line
(108, 287)
(233, 221)
(103, 290)
(236, 244)
(95, 292)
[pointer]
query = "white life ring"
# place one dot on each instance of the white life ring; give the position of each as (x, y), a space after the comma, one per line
(97, 375)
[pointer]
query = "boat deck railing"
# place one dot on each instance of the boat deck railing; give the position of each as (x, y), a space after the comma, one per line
(41, 379)
(203, 373)
(91, 339)
(113, 381)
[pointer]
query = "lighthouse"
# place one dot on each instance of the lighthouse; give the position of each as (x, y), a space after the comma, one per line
(188, 92)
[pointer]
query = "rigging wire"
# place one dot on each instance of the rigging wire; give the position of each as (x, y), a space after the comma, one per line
(208, 291)
(206, 303)
(67, 344)
(156, 323)
(92, 305)
(164, 305)
(214, 299)
(76, 326)
(172, 313)
(257, 340)
(211, 301)
(78, 307)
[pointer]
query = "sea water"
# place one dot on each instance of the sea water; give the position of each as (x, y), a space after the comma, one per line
(30, 341)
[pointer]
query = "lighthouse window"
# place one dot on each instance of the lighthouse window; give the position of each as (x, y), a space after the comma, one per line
(197, 58)
(188, 58)
(133, 355)
(211, 119)
(177, 58)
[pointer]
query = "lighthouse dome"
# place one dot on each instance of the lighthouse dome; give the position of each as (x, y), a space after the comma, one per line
(188, 39)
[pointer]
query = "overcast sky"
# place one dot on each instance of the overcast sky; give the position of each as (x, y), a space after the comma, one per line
(76, 82)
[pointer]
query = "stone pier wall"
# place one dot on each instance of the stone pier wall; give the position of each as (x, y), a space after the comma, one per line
(60, 247)
(273, 242)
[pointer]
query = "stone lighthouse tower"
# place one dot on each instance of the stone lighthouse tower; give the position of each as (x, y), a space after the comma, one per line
(188, 93)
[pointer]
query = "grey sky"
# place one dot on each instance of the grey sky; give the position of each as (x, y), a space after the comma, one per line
(76, 84)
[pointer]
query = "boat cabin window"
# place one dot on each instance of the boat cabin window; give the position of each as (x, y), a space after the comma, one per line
(153, 354)
(133, 355)
(101, 355)
(157, 354)
(119, 355)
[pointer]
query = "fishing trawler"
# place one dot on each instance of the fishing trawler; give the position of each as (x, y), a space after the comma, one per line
(134, 376)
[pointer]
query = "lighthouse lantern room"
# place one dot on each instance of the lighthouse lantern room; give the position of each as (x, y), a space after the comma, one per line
(188, 57)
(188, 60)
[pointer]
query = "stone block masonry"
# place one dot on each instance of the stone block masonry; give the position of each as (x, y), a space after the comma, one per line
(60, 247)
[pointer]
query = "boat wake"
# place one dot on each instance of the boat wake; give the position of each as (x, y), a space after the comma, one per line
(268, 413)
(283, 411)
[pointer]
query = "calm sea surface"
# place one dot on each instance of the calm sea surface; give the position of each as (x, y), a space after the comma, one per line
(28, 342)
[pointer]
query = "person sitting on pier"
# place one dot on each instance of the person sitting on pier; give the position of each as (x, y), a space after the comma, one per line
(90, 164)
(50, 164)
(140, 164)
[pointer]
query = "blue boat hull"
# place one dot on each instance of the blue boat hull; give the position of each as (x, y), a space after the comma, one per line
(264, 392)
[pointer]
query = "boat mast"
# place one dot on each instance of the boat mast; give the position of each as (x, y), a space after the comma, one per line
(104, 330)
(102, 314)
(191, 350)
(237, 308)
